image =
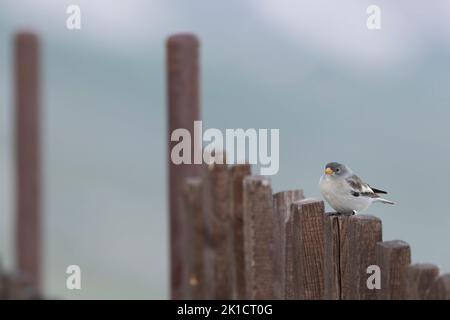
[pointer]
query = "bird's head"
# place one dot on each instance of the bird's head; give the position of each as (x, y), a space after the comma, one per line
(334, 169)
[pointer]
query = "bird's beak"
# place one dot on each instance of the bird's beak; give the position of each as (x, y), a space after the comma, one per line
(329, 171)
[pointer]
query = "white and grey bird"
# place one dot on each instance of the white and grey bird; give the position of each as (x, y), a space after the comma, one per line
(346, 192)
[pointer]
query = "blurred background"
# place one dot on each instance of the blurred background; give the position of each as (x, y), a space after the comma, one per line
(375, 100)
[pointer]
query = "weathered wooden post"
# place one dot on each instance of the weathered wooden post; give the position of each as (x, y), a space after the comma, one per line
(216, 199)
(440, 289)
(283, 236)
(183, 86)
(258, 237)
(237, 176)
(335, 227)
(309, 248)
(393, 258)
(28, 166)
(195, 238)
(419, 279)
(350, 248)
(364, 232)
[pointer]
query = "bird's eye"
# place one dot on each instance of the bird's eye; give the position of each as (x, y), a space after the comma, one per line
(337, 170)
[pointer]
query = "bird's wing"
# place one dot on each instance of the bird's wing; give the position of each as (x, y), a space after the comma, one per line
(360, 188)
(378, 190)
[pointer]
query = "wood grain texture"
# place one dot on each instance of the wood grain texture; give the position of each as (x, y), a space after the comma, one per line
(183, 108)
(420, 278)
(195, 238)
(440, 289)
(216, 200)
(283, 243)
(332, 281)
(238, 173)
(393, 258)
(28, 158)
(357, 253)
(336, 241)
(258, 237)
(308, 246)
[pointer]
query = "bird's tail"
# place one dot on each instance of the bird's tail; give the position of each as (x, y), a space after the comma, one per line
(383, 201)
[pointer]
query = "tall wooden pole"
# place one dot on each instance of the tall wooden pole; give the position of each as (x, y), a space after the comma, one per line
(183, 86)
(195, 238)
(28, 178)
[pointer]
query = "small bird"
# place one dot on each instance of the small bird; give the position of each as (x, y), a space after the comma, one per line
(346, 192)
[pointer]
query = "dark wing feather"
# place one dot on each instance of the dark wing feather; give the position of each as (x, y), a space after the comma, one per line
(378, 190)
(360, 188)
(357, 184)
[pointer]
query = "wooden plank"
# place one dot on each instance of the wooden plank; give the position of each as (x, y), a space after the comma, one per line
(238, 173)
(336, 241)
(358, 253)
(195, 238)
(183, 109)
(332, 281)
(216, 199)
(258, 237)
(420, 278)
(440, 289)
(28, 167)
(393, 258)
(309, 248)
(283, 243)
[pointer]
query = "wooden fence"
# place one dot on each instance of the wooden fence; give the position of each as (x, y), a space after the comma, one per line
(232, 238)
(241, 241)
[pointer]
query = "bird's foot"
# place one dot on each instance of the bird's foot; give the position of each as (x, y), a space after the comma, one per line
(338, 214)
